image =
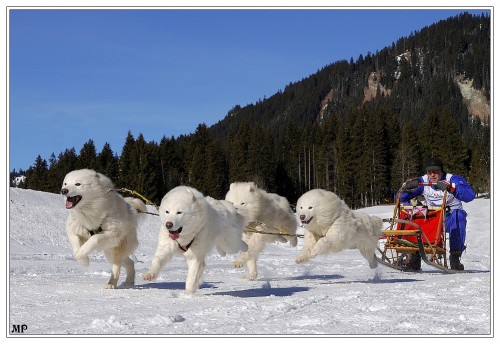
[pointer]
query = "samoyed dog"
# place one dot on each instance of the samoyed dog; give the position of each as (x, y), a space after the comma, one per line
(263, 211)
(191, 226)
(332, 227)
(100, 219)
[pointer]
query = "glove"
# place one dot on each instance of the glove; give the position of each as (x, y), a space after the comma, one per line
(443, 185)
(411, 184)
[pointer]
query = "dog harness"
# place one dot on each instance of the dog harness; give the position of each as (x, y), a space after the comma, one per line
(187, 246)
(95, 231)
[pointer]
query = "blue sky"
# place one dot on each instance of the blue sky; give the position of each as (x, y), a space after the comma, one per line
(87, 74)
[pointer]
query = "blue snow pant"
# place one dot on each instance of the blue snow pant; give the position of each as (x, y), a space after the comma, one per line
(456, 221)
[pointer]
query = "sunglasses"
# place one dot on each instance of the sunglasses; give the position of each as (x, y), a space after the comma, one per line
(433, 172)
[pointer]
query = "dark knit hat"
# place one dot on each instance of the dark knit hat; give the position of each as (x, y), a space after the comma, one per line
(434, 164)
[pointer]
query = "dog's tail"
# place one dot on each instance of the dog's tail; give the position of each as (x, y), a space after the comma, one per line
(139, 205)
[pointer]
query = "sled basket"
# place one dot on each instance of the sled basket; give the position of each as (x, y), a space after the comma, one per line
(413, 230)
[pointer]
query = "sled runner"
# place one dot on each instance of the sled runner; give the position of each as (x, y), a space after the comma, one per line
(415, 230)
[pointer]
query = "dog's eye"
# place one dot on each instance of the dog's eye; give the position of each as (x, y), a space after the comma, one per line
(179, 212)
(167, 211)
(310, 207)
(78, 184)
(242, 204)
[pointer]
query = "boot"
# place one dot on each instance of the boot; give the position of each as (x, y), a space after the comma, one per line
(410, 262)
(455, 260)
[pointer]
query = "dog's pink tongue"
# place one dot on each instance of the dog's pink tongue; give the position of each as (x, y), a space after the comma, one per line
(69, 204)
(173, 235)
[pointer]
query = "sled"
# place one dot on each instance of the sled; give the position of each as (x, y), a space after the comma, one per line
(415, 228)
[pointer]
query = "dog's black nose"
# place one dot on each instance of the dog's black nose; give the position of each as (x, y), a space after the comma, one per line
(64, 191)
(169, 225)
(302, 217)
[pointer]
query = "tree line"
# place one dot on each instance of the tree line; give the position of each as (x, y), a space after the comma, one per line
(364, 160)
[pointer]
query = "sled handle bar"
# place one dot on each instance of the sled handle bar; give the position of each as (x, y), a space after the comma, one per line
(421, 184)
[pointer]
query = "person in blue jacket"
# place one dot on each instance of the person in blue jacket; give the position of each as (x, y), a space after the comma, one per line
(458, 191)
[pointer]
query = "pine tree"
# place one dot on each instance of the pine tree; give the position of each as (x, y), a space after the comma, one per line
(287, 174)
(67, 161)
(171, 163)
(379, 155)
(480, 173)
(107, 162)
(346, 165)
(260, 158)
(238, 155)
(126, 164)
(54, 179)
(150, 172)
(145, 167)
(196, 157)
(428, 132)
(88, 156)
(408, 157)
(451, 148)
(37, 175)
(215, 181)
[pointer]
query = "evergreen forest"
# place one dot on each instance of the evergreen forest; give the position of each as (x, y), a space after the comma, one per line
(323, 131)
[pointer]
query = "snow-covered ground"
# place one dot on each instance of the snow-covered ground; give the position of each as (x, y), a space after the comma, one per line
(51, 294)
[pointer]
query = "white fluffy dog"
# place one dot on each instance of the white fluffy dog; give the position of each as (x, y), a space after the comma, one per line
(259, 206)
(332, 227)
(191, 225)
(100, 219)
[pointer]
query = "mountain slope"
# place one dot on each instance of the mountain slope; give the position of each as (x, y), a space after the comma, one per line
(453, 51)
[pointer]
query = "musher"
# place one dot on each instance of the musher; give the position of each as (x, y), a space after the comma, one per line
(458, 191)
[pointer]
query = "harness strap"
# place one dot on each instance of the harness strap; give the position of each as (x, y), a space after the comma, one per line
(187, 246)
(95, 231)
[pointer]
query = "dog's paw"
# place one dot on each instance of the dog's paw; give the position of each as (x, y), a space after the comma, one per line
(301, 259)
(189, 292)
(293, 241)
(148, 277)
(251, 276)
(237, 264)
(281, 239)
(110, 286)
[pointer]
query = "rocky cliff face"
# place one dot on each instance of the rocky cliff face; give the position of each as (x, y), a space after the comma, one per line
(373, 86)
(476, 101)
(324, 105)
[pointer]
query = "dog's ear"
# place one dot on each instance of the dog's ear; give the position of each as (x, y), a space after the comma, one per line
(189, 191)
(252, 187)
(104, 181)
(232, 186)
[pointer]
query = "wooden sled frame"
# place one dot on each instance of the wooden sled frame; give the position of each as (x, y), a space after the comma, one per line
(416, 229)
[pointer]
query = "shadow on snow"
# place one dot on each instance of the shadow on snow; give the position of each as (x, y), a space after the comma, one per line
(263, 292)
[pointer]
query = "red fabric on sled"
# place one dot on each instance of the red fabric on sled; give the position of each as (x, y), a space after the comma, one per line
(430, 225)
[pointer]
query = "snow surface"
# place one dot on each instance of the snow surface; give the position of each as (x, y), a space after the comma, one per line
(334, 295)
